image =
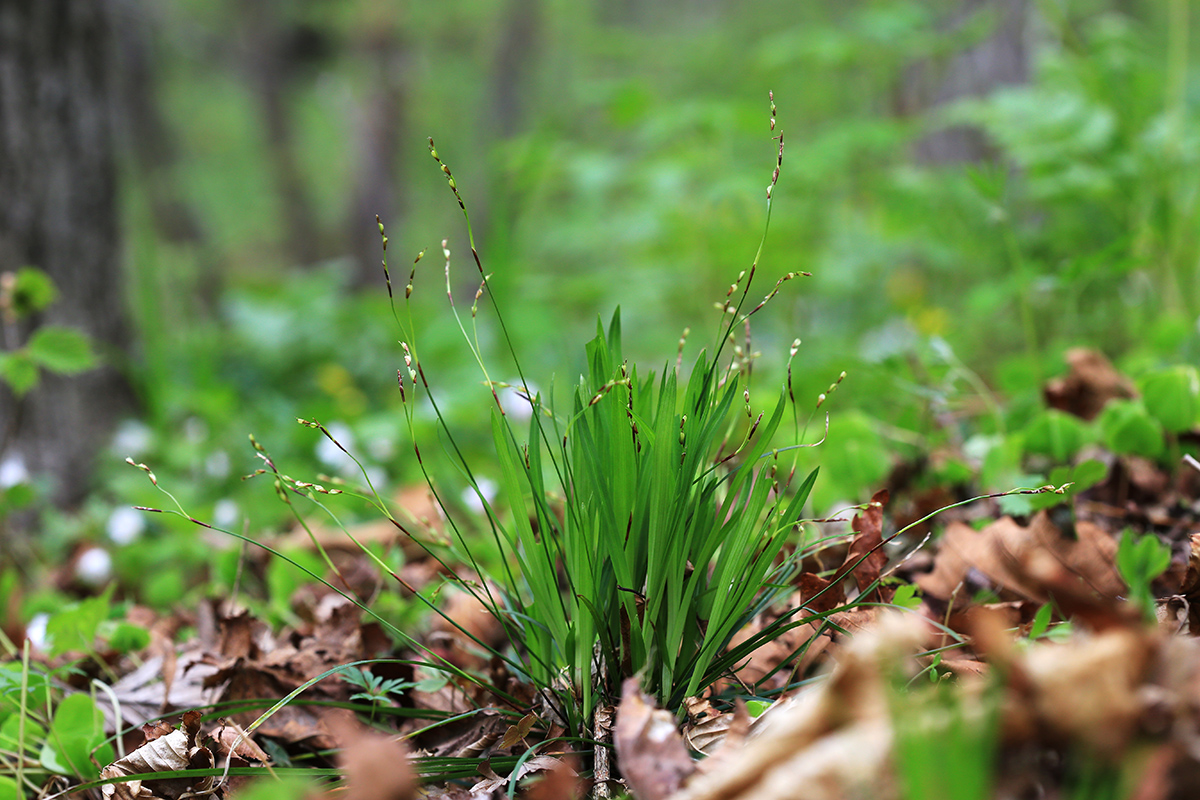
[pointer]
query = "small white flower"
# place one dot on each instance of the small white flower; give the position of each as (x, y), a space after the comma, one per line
(125, 525)
(225, 513)
(517, 404)
(487, 487)
(329, 453)
(35, 631)
(94, 567)
(195, 430)
(13, 471)
(217, 465)
(133, 438)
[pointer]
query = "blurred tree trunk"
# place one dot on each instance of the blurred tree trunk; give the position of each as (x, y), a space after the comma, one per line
(513, 92)
(383, 123)
(1002, 57)
(275, 49)
(58, 212)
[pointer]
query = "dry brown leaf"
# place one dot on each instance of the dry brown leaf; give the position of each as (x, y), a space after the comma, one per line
(865, 560)
(377, 766)
(650, 751)
(712, 732)
(1091, 383)
(493, 785)
(832, 741)
(1000, 557)
(165, 750)
(559, 782)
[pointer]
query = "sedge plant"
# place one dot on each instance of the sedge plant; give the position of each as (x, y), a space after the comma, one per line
(642, 525)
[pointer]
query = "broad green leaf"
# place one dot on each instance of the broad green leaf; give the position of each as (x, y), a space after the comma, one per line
(1080, 477)
(1056, 434)
(19, 371)
(124, 637)
(11, 733)
(74, 627)
(1141, 559)
(60, 349)
(33, 292)
(9, 789)
(76, 736)
(1128, 430)
(1041, 621)
(906, 596)
(1170, 396)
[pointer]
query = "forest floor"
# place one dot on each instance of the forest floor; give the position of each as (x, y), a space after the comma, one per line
(1040, 654)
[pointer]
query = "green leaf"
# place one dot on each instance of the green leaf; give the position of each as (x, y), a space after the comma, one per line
(9, 789)
(1056, 434)
(19, 371)
(76, 736)
(1080, 477)
(1141, 559)
(1128, 430)
(1041, 621)
(59, 349)
(10, 735)
(1171, 397)
(906, 596)
(124, 637)
(756, 708)
(33, 291)
(74, 627)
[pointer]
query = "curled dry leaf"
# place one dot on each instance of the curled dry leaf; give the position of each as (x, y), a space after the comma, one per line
(166, 750)
(999, 556)
(709, 731)
(376, 766)
(557, 773)
(865, 560)
(833, 741)
(651, 753)
(1091, 383)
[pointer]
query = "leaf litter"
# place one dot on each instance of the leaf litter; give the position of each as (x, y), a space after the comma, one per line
(1055, 704)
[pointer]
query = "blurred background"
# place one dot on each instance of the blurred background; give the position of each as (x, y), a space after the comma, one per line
(976, 185)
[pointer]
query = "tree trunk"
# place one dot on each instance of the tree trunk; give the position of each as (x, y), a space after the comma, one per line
(58, 212)
(1002, 58)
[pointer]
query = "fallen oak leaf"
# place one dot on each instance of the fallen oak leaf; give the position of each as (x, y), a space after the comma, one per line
(865, 560)
(164, 751)
(650, 752)
(377, 766)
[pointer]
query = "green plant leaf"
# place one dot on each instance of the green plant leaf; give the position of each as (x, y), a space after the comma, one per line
(1056, 434)
(1141, 559)
(124, 637)
(1128, 430)
(60, 349)
(10, 735)
(74, 627)
(76, 736)
(1171, 397)
(33, 291)
(9, 789)
(19, 371)
(1041, 621)
(1080, 477)
(906, 596)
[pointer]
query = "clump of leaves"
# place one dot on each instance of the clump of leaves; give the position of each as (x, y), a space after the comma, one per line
(1141, 559)
(54, 348)
(44, 734)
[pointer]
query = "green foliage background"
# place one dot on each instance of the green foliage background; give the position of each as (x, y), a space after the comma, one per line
(631, 170)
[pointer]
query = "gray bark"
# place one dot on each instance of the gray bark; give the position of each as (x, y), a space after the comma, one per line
(1002, 58)
(58, 212)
